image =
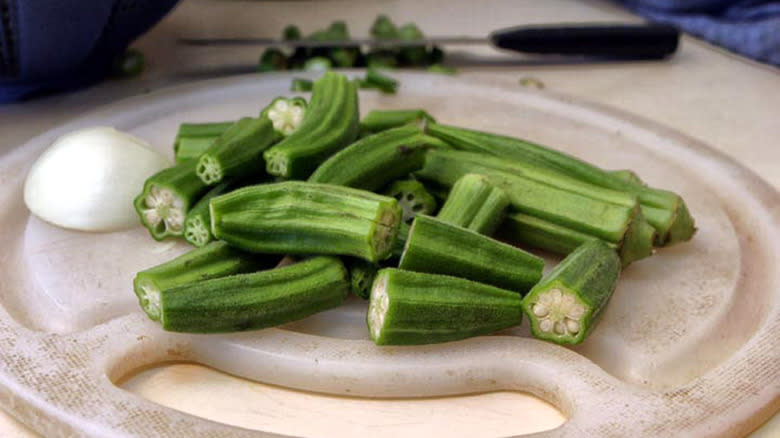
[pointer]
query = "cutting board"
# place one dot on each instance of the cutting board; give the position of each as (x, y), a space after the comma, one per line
(686, 346)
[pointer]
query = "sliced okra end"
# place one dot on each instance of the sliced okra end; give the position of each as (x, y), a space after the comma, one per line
(196, 232)
(286, 114)
(276, 163)
(377, 309)
(209, 170)
(161, 211)
(149, 298)
(557, 314)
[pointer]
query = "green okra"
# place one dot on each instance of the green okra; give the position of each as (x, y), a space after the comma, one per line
(412, 308)
(192, 139)
(566, 304)
(400, 239)
(167, 197)
(412, 55)
(475, 204)
(384, 28)
(318, 63)
(238, 152)
(330, 124)
(627, 175)
(272, 59)
(197, 224)
(374, 161)
(285, 113)
(255, 300)
(361, 276)
(214, 260)
(621, 224)
(301, 85)
(413, 199)
(382, 120)
(376, 79)
(437, 247)
(295, 217)
(669, 215)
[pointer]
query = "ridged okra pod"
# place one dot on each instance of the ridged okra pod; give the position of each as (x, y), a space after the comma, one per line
(382, 120)
(566, 304)
(197, 223)
(475, 204)
(374, 161)
(295, 217)
(214, 260)
(167, 198)
(621, 224)
(286, 114)
(361, 275)
(437, 247)
(192, 139)
(238, 152)
(412, 308)
(413, 198)
(255, 300)
(670, 216)
(330, 124)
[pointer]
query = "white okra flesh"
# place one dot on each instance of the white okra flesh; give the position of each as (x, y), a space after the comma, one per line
(285, 116)
(164, 209)
(559, 311)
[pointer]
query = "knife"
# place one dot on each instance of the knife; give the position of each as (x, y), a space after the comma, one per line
(614, 41)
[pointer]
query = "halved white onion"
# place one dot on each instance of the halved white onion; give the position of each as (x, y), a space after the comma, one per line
(87, 179)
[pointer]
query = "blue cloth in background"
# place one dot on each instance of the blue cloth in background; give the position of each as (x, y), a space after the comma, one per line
(748, 27)
(55, 45)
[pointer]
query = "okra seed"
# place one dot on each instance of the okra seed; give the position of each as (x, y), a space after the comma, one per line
(573, 326)
(546, 325)
(285, 117)
(163, 208)
(560, 327)
(540, 309)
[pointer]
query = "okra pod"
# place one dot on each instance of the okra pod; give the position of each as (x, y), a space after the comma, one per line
(384, 28)
(285, 113)
(566, 304)
(412, 308)
(197, 224)
(376, 79)
(192, 139)
(295, 217)
(214, 260)
(238, 152)
(382, 120)
(475, 204)
(255, 300)
(301, 85)
(400, 239)
(167, 198)
(361, 276)
(374, 161)
(437, 247)
(627, 175)
(412, 55)
(330, 124)
(413, 199)
(619, 224)
(673, 226)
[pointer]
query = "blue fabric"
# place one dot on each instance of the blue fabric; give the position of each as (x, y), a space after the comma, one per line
(747, 27)
(58, 45)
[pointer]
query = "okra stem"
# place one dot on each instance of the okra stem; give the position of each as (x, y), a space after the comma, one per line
(566, 304)
(294, 217)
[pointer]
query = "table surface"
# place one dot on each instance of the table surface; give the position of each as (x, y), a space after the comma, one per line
(724, 100)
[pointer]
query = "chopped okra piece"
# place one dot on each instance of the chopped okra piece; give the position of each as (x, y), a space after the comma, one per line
(192, 139)
(214, 260)
(384, 28)
(286, 114)
(413, 199)
(382, 120)
(566, 304)
(291, 33)
(412, 308)
(318, 63)
(197, 224)
(301, 85)
(375, 79)
(167, 198)
(361, 275)
(272, 59)
(475, 204)
(412, 55)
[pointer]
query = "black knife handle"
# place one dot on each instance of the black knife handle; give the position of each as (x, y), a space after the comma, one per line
(652, 41)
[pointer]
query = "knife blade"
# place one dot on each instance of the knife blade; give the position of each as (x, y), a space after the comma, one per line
(619, 41)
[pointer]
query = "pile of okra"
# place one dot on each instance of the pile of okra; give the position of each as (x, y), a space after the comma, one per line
(292, 209)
